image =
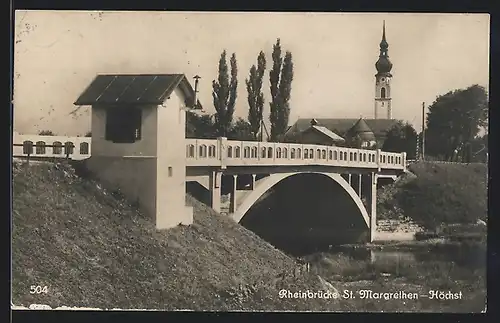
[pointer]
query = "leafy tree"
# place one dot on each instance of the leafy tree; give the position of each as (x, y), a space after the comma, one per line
(401, 137)
(46, 133)
(453, 122)
(280, 77)
(255, 95)
(200, 126)
(224, 94)
(241, 130)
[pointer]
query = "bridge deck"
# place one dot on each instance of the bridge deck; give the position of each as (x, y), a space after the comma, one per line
(227, 153)
(224, 153)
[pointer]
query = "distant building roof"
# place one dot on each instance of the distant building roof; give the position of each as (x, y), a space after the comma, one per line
(135, 89)
(328, 133)
(341, 126)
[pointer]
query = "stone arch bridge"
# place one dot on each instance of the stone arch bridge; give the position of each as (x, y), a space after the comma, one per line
(250, 169)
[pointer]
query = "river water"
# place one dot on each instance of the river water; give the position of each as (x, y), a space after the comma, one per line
(470, 255)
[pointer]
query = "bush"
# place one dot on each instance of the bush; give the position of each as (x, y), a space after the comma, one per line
(444, 193)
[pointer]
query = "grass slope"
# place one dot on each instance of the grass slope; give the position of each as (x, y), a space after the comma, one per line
(439, 193)
(93, 250)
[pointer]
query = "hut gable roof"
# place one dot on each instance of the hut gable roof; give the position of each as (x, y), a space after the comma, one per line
(137, 89)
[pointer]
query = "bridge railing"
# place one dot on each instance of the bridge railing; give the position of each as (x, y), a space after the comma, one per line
(222, 153)
(61, 147)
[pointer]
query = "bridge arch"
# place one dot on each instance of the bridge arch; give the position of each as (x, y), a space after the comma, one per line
(268, 182)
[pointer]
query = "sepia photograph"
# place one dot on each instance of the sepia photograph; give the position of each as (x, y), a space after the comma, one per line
(250, 161)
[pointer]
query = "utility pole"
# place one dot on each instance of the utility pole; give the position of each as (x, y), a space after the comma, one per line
(196, 81)
(261, 130)
(423, 130)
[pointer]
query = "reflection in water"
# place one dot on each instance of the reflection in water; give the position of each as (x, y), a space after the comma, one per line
(471, 255)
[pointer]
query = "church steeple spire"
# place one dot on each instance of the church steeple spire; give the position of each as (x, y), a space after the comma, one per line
(383, 64)
(383, 34)
(383, 79)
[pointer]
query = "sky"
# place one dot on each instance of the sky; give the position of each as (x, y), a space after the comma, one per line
(58, 53)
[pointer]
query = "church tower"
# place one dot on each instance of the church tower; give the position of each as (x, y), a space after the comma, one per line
(383, 80)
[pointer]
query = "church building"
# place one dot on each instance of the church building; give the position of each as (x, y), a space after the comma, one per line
(371, 132)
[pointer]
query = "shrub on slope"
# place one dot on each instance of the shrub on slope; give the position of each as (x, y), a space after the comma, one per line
(93, 250)
(442, 193)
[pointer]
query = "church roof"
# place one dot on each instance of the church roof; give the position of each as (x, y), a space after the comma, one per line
(340, 126)
(138, 89)
(361, 128)
(327, 132)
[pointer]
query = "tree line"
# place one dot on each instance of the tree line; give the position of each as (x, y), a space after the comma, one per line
(455, 129)
(224, 95)
(456, 126)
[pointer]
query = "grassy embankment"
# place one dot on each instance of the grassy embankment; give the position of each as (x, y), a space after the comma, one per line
(92, 249)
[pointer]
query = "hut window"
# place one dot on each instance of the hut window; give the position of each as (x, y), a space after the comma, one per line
(123, 124)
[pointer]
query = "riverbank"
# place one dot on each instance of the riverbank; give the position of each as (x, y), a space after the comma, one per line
(408, 276)
(405, 275)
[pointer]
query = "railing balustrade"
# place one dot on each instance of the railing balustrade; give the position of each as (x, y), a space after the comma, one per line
(234, 153)
(51, 147)
(222, 152)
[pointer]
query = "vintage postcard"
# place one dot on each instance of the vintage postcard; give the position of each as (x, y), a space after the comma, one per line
(250, 161)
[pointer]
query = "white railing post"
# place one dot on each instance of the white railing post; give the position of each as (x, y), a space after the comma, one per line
(404, 160)
(222, 145)
(196, 149)
(379, 153)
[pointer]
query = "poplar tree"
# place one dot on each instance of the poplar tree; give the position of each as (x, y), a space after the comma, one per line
(224, 94)
(255, 95)
(280, 77)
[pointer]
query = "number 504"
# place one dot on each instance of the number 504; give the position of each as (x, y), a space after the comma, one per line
(37, 289)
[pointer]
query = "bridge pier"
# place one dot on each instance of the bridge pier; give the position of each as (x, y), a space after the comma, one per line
(232, 201)
(215, 185)
(252, 183)
(360, 181)
(372, 205)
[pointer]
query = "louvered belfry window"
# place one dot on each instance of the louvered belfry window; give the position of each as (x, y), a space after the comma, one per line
(123, 124)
